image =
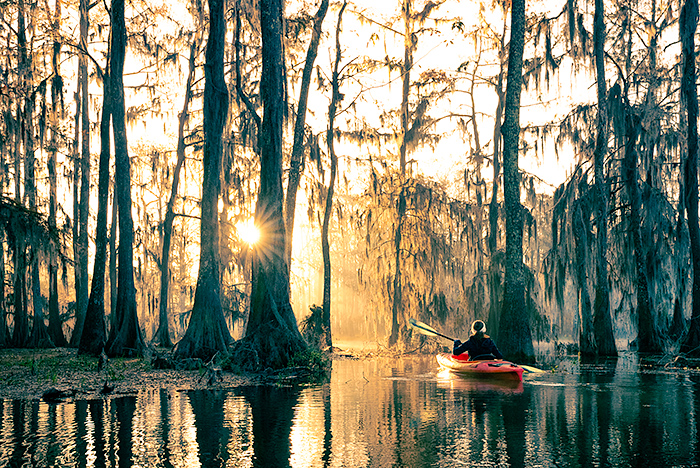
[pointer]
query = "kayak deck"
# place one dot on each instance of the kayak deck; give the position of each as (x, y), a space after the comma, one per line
(495, 368)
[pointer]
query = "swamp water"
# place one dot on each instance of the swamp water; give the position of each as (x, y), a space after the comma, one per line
(377, 413)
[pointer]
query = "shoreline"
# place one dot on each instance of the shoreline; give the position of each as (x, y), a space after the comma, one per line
(26, 374)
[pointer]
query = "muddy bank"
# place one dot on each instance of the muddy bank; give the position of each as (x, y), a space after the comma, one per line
(29, 373)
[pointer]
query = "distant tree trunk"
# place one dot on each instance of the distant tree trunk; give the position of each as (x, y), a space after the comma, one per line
(113, 233)
(207, 332)
(515, 339)
(94, 336)
(39, 337)
(409, 46)
(162, 336)
(125, 339)
(328, 212)
(3, 239)
(4, 335)
(272, 335)
(296, 163)
(494, 270)
(689, 92)
(602, 321)
(20, 334)
(81, 201)
(55, 325)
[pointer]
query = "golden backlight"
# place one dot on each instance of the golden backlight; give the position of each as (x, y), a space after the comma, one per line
(248, 231)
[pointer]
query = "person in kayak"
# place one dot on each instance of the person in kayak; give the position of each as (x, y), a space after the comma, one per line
(479, 345)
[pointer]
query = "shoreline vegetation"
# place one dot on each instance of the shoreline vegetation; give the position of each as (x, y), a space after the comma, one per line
(60, 374)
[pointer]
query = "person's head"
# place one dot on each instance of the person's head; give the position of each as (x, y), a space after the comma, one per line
(478, 328)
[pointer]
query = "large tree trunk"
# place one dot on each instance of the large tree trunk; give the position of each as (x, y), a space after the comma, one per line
(689, 93)
(55, 325)
(272, 335)
(581, 228)
(125, 339)
(328, 212)
(82, 175)
(296, 163)
(648, 339)
(515, 339)
(207, 332)
(162, 336)
(94, 336)
(602, 321)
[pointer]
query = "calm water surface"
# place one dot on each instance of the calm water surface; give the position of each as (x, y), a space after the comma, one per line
(377, 414)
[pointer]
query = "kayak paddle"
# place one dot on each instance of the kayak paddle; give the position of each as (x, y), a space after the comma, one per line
(426, 329)
(430, 331)
(530, 368)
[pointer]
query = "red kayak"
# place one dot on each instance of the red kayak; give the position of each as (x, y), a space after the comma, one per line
(495, 368)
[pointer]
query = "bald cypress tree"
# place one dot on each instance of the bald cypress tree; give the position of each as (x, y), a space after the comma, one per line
(689, 94)
(207, 332)
(272, 335)
(125, 338)
(515, 339)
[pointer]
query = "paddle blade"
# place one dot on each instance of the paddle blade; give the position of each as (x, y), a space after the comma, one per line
(531, 369)
(423, 328)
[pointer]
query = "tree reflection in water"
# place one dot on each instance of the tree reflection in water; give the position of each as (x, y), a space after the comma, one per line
(375, 413)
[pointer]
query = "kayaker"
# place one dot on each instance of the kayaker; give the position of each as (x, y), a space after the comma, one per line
(479, 345)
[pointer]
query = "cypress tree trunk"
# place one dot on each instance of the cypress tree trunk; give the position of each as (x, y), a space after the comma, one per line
(272, 335)
(207, 332)
(39, 336)
(328, 213)
(113, 233)
(94, 336)
(494, 273)
(296, 163)
(587, 343)
(163, 333)
(20, 334)
(689, 93)
(602, 321)
(55, 329)
(3, 311)
(82, 178)
(515, 339)
(125, 339)
(409, 45)
(648, 339)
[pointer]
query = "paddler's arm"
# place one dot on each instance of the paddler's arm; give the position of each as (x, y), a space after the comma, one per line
(459, 348)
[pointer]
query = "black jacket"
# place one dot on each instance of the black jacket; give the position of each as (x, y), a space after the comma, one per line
(477, 347)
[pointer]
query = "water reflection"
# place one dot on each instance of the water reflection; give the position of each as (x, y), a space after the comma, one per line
(376, 413)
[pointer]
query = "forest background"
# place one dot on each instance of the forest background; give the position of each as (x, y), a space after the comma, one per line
(400, 209)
